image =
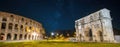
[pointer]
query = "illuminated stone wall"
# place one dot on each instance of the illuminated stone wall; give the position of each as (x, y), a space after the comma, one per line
(15, 27)
(96, 27)
(117, 38)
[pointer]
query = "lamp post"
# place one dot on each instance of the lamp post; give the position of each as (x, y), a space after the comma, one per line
(52, 35)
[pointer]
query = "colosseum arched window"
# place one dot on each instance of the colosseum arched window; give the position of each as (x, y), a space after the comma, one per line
(26, 23)
(19, 21)
(4, 19)
(29, 36)
(26, 29)
(25, 37)
(20, 37)
(3, 26)
(30, 27)
(15, 36)
(8, 36)
(11, 17)
(16, 26)
(10, 26)
(33, 37)
(21, 27)
(2, 35)
(22, 19)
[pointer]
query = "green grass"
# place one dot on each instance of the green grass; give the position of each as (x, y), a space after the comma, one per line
(57, 44)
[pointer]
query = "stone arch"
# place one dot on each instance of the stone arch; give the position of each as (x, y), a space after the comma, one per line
(89, 34)
(15, 36)
(29, 36)
(33, 37)
(10, 26)
(11, 17)
(4, 19)
(86, 32)
(38, 37)
(100, 35)
(2, 35)
(16, 27)
(21, 27)
(22, 19)
(25, 37)
(20, 37)
(9, 36)
(3, 26)
(80, 37)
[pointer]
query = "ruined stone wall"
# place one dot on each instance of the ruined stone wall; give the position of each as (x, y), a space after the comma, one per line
(15, 27)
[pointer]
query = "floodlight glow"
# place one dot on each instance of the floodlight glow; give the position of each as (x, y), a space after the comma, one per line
(52, 33)
(34, 33)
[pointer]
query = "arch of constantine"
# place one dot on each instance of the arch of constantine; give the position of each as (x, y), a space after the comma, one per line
(96, 27)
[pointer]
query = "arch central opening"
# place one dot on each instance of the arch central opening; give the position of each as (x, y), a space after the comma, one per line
(90, 35)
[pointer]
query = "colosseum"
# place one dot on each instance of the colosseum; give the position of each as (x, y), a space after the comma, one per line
(15, 27)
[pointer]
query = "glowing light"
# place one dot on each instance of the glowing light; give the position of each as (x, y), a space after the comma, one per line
(52, 33)
(34, 33)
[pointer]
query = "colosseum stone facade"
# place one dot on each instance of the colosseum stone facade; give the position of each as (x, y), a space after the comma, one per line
(15, 27)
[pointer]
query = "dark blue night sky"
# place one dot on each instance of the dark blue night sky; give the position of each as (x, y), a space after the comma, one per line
(60, 14)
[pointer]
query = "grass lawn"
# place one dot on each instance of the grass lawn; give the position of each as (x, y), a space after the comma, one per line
(57, 44)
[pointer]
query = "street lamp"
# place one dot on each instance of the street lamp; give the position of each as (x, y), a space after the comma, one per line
(52, 34)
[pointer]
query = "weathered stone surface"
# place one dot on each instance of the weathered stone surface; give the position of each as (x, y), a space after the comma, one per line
(15, 27)
(96, 27)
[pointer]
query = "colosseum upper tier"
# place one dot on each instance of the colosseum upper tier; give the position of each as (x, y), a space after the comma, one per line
(15, 27)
